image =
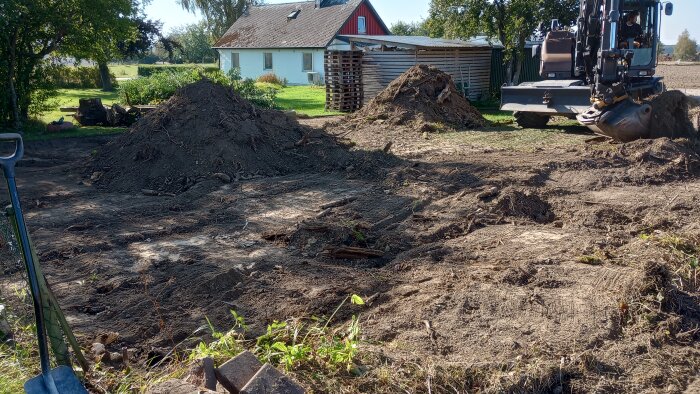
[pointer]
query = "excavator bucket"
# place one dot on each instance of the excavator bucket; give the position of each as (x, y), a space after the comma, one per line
(624, 122)
(665, 115)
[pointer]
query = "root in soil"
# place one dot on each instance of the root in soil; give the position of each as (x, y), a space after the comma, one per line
(421, 96)
(208, 131)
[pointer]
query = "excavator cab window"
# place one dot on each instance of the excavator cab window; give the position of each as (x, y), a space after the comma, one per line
(637, 31)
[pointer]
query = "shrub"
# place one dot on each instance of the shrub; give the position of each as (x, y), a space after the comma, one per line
(273, 79)
(161, 86)
(78, 77)
(146, 70)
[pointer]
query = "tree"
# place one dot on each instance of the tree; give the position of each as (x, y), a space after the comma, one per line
(219, 14)
(30, 30)
(512, 22)
(660, 50)
(686, 48)
(147, 37)
(401, 28)
(194, 43)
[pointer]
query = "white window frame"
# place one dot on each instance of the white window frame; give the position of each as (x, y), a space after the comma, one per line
(237, 62)
(303, 62)
(265, 61)
(363, 25)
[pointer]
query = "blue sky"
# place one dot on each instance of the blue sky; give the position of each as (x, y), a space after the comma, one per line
(686, 14)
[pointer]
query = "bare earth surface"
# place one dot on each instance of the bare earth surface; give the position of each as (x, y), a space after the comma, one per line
(500, 280)
(684, 76)
(502, 259)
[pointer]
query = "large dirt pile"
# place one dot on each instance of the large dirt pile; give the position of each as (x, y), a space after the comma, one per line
(421, 95)
(671, 117)
(207, 130)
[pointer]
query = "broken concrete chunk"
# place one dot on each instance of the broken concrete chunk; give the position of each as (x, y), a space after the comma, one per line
(236, 372)
(268, 380)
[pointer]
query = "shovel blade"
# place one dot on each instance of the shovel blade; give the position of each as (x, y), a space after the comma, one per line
(65, 380)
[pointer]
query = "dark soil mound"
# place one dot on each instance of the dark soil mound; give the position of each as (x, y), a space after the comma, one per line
(524, 205)
(207, 130)
(670, 116)
(661, 151)
(422, 95)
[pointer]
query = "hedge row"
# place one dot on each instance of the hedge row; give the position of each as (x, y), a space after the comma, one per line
(146, 70)
(79, 77)
(161, 86)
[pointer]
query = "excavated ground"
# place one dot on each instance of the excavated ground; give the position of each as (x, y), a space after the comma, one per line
(562, 279)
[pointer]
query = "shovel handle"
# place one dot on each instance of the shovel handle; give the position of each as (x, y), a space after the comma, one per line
(8, 162)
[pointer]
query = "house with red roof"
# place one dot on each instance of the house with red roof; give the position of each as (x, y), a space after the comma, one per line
(289, 39)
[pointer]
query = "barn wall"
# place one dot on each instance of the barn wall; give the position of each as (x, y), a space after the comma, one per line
(286, 63)
(470, 68)
(529, 73)
(374, 26)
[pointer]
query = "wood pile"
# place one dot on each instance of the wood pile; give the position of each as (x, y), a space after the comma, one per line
(91, 112)
(343, 71)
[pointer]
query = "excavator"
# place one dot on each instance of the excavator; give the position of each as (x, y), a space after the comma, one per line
(602, 72)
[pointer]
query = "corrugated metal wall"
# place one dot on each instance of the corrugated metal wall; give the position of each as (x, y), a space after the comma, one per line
(529, 73)
(372, 24)
(470, 68)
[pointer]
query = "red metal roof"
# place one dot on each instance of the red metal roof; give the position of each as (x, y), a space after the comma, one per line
(267, 26)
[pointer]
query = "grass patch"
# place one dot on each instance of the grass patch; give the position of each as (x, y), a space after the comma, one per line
(306, 100)
(19, 360)
(36, 129)
(124, 70)
(498, 117)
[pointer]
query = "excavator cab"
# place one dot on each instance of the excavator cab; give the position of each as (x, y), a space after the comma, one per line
(637, 33)
(600, 72)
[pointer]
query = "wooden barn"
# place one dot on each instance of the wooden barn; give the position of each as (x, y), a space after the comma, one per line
(385, 58)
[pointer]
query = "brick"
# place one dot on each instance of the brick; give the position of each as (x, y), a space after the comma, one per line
(209, 374)
(236, 372)
(268, 380)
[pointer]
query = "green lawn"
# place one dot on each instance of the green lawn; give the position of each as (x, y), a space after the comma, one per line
(306, 100)
(69, 98)
(124, 70)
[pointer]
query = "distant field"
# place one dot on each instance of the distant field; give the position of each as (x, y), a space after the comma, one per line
(680, 76)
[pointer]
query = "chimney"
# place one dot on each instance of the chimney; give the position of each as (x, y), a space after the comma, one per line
(317, 4)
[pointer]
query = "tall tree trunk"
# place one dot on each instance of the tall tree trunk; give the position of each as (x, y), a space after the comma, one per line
(11, 70)
(509, 72)
(104, 76)
(518, 68)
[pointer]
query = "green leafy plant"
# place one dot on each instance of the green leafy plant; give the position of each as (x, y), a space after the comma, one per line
(293, 344)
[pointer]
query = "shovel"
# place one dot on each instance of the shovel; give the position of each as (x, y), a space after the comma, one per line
(60, 380)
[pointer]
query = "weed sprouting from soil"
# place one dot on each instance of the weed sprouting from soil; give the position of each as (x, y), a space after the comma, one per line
(295, 344)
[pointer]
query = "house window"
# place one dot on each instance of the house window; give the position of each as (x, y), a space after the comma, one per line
(267, 61)
(235, 60)
(308, 62)
(361, 26)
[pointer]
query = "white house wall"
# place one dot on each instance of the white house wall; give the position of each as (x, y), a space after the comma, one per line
(286, 63)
